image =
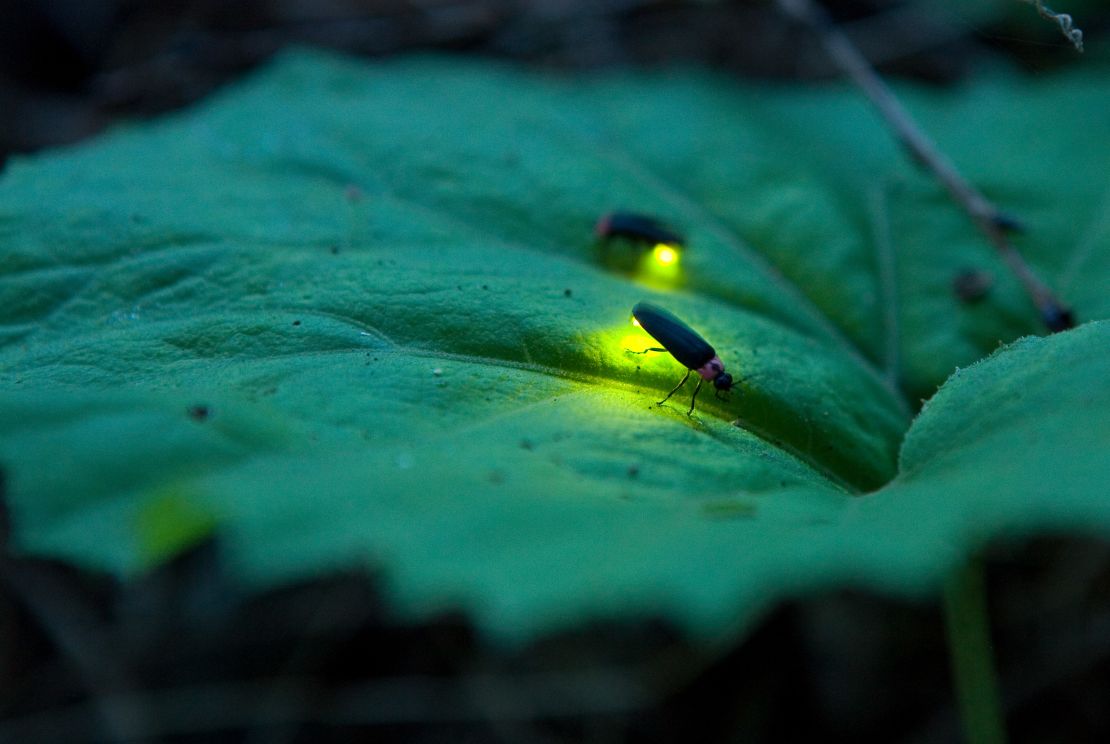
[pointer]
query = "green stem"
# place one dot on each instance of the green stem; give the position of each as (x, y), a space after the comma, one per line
(969, 643)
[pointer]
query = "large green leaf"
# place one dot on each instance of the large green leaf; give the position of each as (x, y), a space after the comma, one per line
(355, 314)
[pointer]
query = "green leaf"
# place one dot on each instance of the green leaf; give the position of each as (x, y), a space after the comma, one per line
(348, 314)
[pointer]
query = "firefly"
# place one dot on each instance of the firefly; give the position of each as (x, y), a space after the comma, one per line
(636, 227)
(685, 345)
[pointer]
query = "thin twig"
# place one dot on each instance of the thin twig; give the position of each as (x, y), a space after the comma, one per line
(991, 221)
(1063, 20)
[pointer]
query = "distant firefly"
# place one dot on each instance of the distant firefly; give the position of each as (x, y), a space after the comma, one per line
(638, 227)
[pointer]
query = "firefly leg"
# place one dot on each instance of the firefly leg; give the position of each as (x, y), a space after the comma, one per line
(691, 411)
(645, 351)
(676, 387)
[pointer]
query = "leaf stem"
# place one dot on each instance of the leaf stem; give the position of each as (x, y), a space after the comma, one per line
(969, 644)
(995, 224)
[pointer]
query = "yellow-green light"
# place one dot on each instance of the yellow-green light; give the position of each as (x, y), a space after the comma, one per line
(664, 255)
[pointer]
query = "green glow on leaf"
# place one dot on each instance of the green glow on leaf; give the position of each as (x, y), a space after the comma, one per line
(170, 522)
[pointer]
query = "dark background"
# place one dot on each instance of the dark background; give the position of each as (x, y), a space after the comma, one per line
(177, 657)
(70, 67)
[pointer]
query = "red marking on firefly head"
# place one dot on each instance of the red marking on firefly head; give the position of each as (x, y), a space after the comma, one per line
(711, 369)
(602, 227)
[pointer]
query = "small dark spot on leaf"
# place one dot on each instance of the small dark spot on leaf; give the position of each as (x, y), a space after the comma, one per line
(335, 250)
(353, 193)
(485, 286)
(496, 477)
(526, 444)
(567, 293)
(199, 412)
(633, 471)
(296, 322)
(972, 285)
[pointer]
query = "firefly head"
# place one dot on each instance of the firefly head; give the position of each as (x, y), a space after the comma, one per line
(714, 370)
